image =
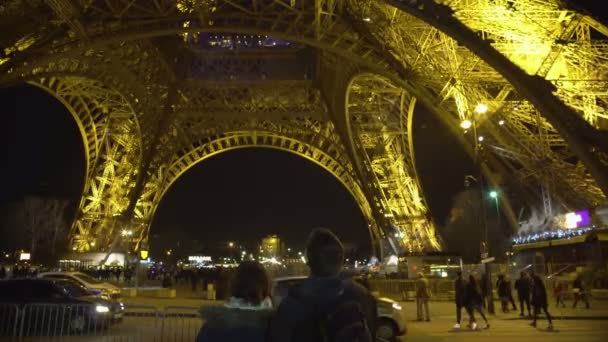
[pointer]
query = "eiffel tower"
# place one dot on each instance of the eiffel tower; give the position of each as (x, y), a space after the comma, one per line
(157, 86)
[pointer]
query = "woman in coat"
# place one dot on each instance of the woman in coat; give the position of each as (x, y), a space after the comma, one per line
(246, 314)
(539, 299)
(474, 301)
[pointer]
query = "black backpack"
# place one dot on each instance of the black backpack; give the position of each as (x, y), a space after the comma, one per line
(345, 322)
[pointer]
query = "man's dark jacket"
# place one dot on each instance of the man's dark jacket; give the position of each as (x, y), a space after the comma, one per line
(298, 316)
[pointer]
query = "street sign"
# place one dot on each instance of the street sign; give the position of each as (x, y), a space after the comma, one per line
(487, 260)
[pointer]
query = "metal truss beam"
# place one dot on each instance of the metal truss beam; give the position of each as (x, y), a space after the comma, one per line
(111, 139)
(541, 69)
(380, 117)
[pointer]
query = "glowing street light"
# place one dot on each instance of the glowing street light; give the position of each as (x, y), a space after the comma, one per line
(480, 138)
(230, 244)
(501, 122)
(466, 124)
(481, 108)
(494, 194)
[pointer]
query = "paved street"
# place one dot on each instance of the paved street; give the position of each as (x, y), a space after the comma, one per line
(506, 327)
(570, 324)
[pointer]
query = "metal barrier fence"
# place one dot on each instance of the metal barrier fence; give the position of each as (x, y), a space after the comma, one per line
(66, 322)
(405, 289)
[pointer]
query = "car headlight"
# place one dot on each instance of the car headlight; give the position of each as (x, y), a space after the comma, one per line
(396, 306)
(102, 309)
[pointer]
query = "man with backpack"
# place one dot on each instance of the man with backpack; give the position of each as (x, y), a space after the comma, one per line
(325, 307)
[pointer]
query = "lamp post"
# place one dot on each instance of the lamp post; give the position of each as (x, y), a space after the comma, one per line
(484, 248)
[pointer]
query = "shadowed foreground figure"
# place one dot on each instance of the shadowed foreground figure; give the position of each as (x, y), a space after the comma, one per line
(325, 307)
(246, 314)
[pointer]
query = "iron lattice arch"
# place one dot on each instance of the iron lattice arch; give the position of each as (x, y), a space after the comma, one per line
(335, 80)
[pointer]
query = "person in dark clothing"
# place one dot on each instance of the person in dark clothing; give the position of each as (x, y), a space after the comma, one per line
(579, 292)
(483, 287)
(539, 299)
(308, 303)
(522, 285)
(510, 293)
(503, 293)
(246, 314)
(460, 299)
(474, 302)
(193, 279)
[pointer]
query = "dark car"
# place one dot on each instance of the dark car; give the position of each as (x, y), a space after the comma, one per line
(76, 290)
(38, 306)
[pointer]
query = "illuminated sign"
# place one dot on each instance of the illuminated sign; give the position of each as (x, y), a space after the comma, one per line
(198, 258)
(577, 219)
(24, 256)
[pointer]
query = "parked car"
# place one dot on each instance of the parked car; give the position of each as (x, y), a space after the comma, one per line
(390, 324)
(41, 306)
(105, 290)
(74, 289)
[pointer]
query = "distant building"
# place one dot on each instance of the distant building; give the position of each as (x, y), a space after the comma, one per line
(272, 247)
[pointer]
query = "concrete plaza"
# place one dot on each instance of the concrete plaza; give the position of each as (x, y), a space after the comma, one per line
(570, 324)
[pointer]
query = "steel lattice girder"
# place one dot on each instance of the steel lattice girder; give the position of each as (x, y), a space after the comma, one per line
(411, 53)
(380, 119)
(454, 76)
(112, 145)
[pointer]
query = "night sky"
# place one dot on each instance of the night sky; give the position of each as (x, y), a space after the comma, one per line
(238, 195)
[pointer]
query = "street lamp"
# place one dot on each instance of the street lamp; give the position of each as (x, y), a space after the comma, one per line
(466, 124)
(484, 253)
(230, 244)
(481, 108)
(494, 194)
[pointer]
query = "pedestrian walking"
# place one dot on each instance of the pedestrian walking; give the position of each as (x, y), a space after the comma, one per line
(522, 285)
(246, 314)
(474, 301)
(558, 293)
(510, 293)
(579, 292)
(422, 298)
(460, 298)
(483, 287)
(194, 279)
(539, 300)
(503, 293)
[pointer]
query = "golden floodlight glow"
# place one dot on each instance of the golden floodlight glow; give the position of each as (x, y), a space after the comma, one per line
(466, 124)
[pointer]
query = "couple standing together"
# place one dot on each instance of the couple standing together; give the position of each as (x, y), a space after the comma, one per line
(323, 307)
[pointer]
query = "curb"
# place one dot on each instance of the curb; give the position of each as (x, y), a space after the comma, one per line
(560, 318)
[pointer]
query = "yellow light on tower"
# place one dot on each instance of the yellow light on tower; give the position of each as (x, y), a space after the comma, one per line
(466, 124)
(481, 108)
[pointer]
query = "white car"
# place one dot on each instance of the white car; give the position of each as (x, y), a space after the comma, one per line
(391, 322)
(97, 287)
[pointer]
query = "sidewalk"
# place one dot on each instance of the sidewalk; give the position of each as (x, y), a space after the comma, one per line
(598, 311)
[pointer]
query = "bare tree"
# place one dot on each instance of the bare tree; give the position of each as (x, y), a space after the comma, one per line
(41, 222)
